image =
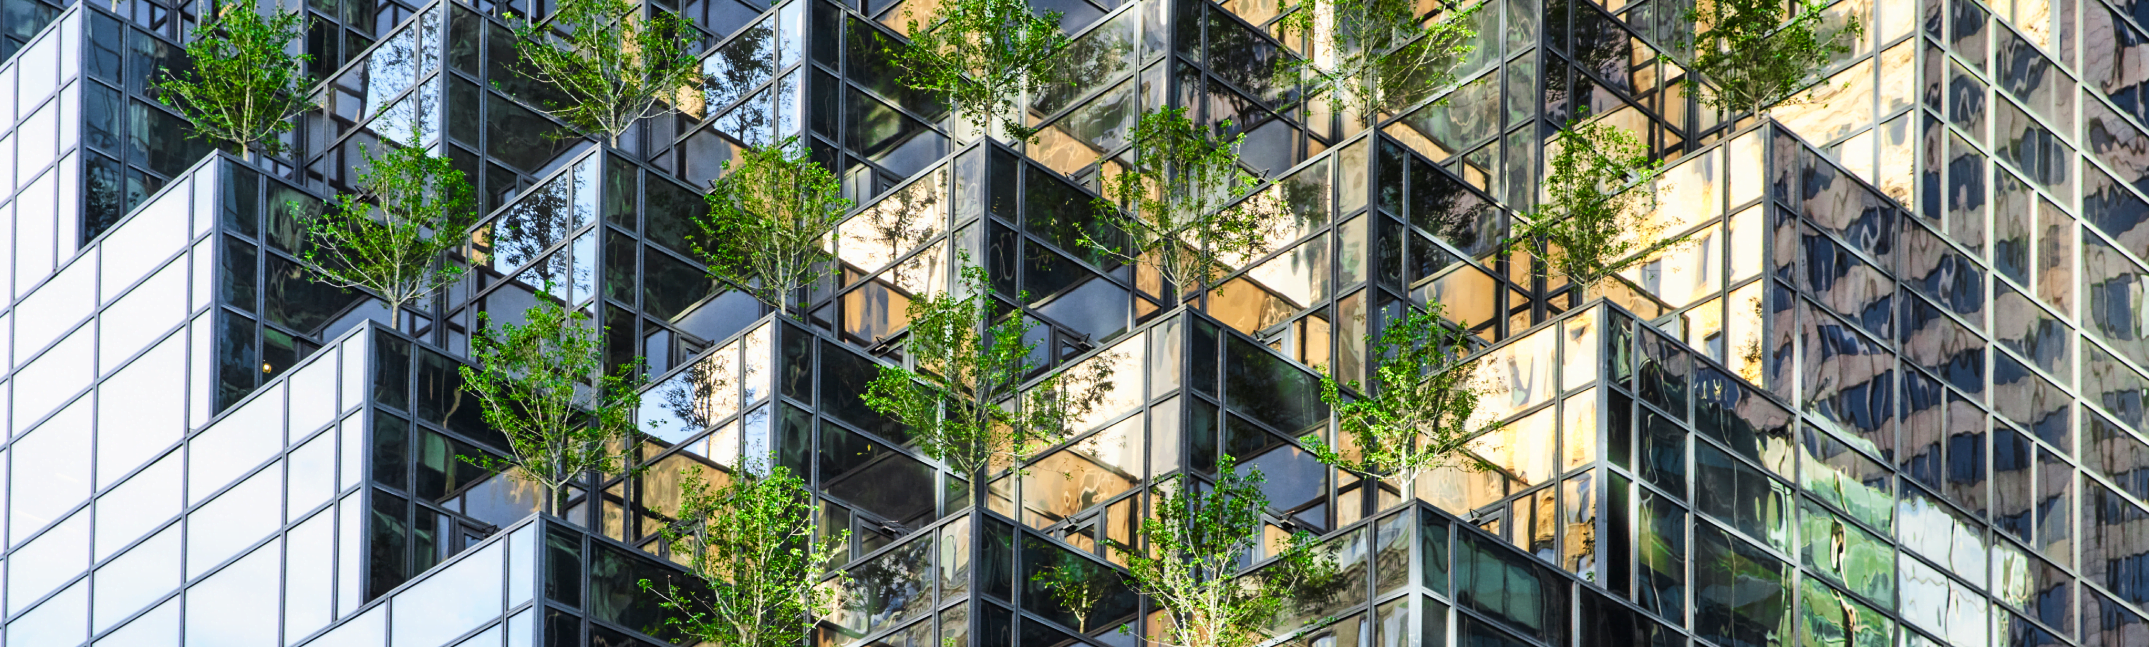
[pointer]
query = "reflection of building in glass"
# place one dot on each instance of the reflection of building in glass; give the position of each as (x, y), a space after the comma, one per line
(1893, 392)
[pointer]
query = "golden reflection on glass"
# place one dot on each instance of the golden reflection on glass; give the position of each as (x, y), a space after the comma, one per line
(1897, 77)
(1467, 292)
(1352, 252)
(899, 223)
(1834, 108)
(1458, 490)
(1580, 518)
(1352, 177)
(1746, 172)
(1580, 349)
(1166, 435)
(1897, 20)
(755, 373)
(661, 483)
(955, 559)
(1536, 523)
(1121, 368)
(1706, 329)
(1314, 343)
(1517, 376)
(1683, 273)
(1122, 522)
(1352, 313)
(1687, 194)
(1894, 158)
(925, 272)
(1746, 235)
(1858, 154)
(1086, 474)
(1523, 448)
(1745, 333)
(1301, 276)
(1580, 430)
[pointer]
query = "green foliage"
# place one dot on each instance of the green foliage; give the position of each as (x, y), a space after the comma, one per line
(1177, 221)
(541, 384)
(1191, 569)
(1760, 53)
(388, 237)
(984, 57)
(751, 544)
(1078, 585)
(1378, 56)
(769, 221)
(615, 66)
(1593, 223)
(968, 366)
(245, 86)
(1417, 416)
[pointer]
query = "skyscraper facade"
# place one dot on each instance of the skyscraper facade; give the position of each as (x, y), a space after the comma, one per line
(1891, 390)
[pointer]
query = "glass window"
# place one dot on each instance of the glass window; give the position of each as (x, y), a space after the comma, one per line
(450, 602)
(1941, 605)
(60, 304)
(1744, 497)
(1516, 591)
(140, 412)
(236, 444)
(52, 472)
(158, 628)
(230, 608)
(313, 474)
(313, 396)
(59, 621)
(131, 581)
(2114, 543)
(153, 234)
(309, 567)
(143, 502)
(39, 567)
(140, 317)
(234, 520)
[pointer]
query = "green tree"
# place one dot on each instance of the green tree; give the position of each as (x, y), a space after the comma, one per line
(1594, 223)
(984, 57)
(1078, 585)
(751, 545)
(961, 403)
(769, 222)
(389, 236)
(614, 65)
(1192, 569)
(245, 84)
(541, 384)
(1760, 53)
(1177, 221)
(1415, 415)
(1378, 56)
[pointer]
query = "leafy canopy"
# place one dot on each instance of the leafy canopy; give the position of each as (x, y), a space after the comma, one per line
(750, 542)
(1760, 53)
(615, 65)
(245, 86)
(1415, 416)
(1593, 223)
(984, 57)
(969, 364)
(1378, 56)
(1192, 569)
(541, 384)
(769, 222)
(388, 237)
(1078, 585)
(1177, 221)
